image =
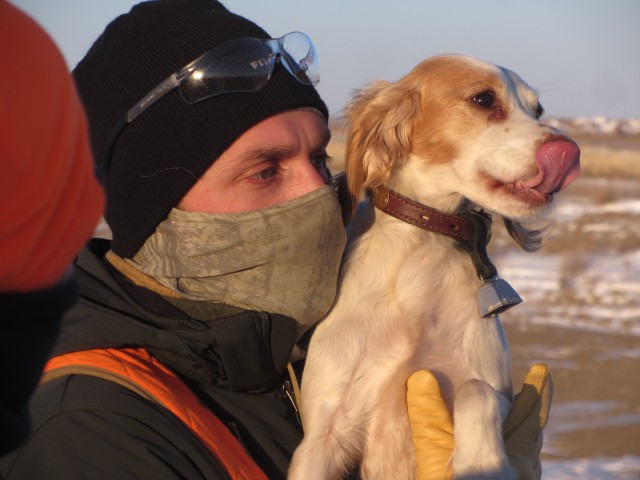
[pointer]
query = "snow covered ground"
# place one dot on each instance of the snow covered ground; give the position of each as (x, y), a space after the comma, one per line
(597, 125)
(623, 468)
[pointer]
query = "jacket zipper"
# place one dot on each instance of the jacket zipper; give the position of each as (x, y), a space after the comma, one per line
(286, 389)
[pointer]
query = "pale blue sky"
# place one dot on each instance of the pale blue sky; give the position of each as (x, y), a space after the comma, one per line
(583, 55)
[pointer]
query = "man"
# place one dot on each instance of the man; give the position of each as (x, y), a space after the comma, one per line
(227, 239)
(50, 202)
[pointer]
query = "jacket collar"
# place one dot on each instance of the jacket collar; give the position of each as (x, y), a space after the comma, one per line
(226, 347)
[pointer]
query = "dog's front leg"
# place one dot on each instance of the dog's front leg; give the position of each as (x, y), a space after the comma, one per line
(334, 408)
(334, 428)
(479, 412)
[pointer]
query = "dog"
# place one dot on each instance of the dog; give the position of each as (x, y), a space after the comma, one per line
(455, 138)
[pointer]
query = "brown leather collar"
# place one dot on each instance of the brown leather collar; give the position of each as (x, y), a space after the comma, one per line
(427, 218)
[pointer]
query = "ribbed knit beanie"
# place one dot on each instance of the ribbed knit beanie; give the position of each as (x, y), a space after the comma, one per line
(162, 153)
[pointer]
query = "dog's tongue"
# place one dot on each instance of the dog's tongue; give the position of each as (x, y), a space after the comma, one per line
(558, 164)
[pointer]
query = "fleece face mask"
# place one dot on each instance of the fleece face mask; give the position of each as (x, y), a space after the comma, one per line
(282, 259)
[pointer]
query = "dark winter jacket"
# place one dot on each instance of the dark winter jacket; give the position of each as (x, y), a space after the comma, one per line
(235, 362)
(28, 330)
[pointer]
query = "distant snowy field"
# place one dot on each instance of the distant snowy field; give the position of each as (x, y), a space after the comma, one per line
(605, 286)
(624, 468)
(597, 125)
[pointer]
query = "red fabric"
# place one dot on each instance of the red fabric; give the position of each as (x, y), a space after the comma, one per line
(50, 199)
(138, 368)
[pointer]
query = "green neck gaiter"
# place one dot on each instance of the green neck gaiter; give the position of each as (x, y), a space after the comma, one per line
(282, 259)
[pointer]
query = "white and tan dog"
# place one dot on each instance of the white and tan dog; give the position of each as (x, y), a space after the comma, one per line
(456, 133)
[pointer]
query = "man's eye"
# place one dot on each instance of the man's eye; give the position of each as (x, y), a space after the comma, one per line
(266, 174)
(320, 161)
(320, 164)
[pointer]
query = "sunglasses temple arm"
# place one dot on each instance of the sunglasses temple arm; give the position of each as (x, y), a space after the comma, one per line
(108, 149)
(149, 99)
(153, 96)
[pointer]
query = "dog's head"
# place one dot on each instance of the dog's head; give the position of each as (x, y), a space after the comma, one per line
(456, 127)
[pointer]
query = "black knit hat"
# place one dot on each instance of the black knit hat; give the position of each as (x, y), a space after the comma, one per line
(163, 152)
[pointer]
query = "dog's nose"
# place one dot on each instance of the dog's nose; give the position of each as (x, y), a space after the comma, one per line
(558, 163)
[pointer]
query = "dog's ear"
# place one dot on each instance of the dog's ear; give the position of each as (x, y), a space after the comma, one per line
(529, 240)
(344, 197)
(380, 120)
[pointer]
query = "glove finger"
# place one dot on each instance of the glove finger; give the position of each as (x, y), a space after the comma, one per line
(428, 414)
(533, 402)
(431, 427)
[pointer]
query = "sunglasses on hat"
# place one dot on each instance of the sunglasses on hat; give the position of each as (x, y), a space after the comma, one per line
(239, 65)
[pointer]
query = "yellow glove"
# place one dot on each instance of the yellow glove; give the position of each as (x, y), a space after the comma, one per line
(522, 430)
(432, 427)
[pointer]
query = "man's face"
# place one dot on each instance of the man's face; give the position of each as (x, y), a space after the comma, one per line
(279, 159)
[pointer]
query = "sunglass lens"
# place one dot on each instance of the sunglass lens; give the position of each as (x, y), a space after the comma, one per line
(240, 65)
(301, 57)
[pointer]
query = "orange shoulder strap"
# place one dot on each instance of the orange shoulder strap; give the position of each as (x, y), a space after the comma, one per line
(137, 370)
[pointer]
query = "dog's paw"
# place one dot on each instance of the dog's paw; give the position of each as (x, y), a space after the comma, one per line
(501, 470)
(479, 451)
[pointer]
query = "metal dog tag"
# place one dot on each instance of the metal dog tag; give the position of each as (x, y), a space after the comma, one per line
(496, 296)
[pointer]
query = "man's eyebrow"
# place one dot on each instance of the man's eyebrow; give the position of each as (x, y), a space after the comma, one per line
(280, 151)
(265, 152)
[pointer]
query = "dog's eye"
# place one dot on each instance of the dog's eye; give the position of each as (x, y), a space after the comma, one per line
(539, 111)
(484, 99)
